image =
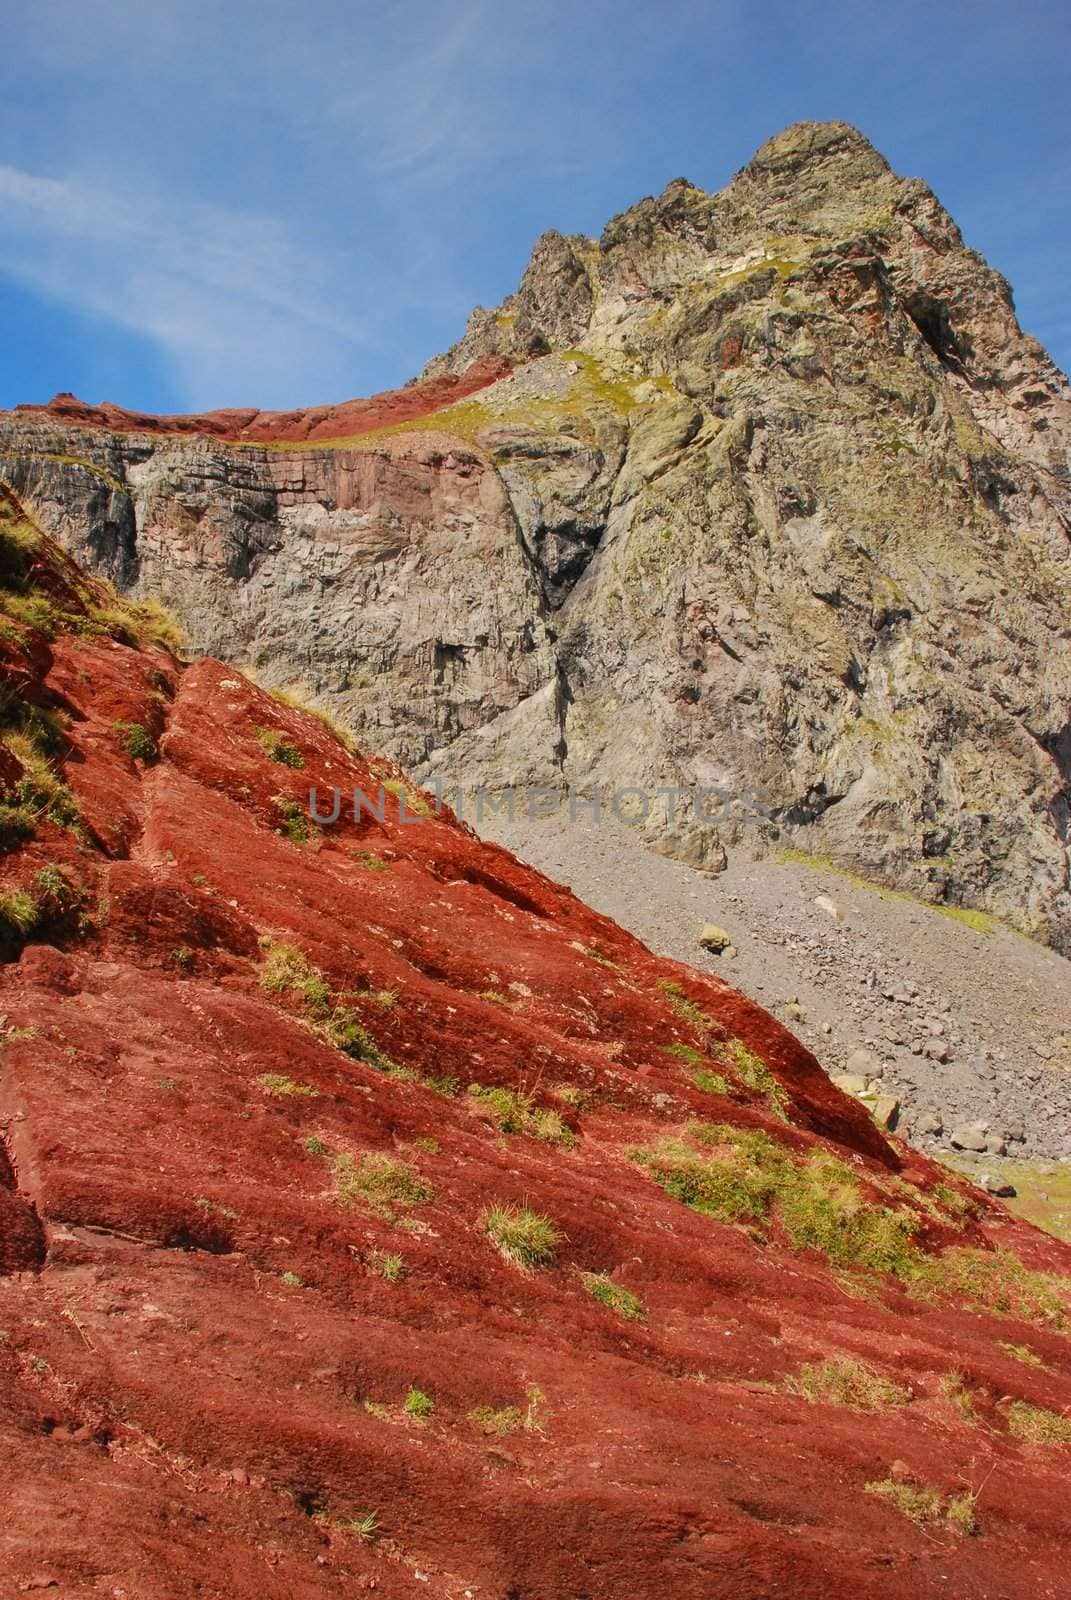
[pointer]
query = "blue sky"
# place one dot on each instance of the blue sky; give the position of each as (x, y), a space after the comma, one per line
(276, 204)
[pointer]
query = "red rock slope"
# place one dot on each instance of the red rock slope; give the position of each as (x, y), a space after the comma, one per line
(255, 1337)
(246, 423)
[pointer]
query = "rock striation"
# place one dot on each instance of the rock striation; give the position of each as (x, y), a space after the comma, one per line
(775, 495)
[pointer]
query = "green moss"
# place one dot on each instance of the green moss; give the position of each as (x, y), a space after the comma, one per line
(993, 1281)
(418, 1404)
(684, 1052)
(711, 1082)
(756, 1075)
(686, 1009)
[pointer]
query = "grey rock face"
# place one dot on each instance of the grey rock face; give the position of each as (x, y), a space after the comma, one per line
(780, 501)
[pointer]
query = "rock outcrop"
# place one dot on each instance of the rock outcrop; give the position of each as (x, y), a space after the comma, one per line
(373, 1215)
(777, 496)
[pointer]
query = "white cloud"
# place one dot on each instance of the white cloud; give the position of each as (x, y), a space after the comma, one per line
(224, 293)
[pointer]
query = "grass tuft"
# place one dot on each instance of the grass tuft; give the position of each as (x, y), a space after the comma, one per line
(418, 1404)
(277, 747)
(379, 1181)
(512, 1112)
(1038, 1426)
(277, 1083)
(844, 1381)
(1022, 1352)
(613, 1295)
(923, 1503)
(523, 1237)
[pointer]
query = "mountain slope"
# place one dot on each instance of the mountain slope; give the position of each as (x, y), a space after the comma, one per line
(273, 1100)
(777, 495)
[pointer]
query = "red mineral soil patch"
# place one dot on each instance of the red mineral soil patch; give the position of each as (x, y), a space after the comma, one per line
(209, 1330)
(248, 425)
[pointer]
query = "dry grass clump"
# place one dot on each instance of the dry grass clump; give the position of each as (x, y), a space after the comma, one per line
(923, 1503)
(1038, 1426)
(844, 1381)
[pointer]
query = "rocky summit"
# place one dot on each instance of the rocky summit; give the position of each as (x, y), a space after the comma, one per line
(762, 490)
(374, 1216)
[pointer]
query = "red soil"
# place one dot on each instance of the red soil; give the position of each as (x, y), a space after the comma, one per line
(343, 421)
(180, 1419)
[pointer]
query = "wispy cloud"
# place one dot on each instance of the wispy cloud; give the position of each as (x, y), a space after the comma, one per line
(220, 290)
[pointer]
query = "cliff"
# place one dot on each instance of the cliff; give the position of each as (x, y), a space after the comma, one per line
(776, 495)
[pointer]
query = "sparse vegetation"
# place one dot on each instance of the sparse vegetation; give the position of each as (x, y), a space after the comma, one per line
(137, 741)
(744, 1175)
(598, 957)
(288, 969)
(953, 1388)
(844, 1381)
(505, 1420)
(686, 1009)
(418, 1404)
(1022, 1352)
(316, 1146)
(277, 1083)
(291, 1279)
(684, 1052)
(613, 1295)
(922, 1503)
(364, 1524)
(18, 914)
(711, 1082)
(277, 747)
(182, 956)
(370, 861)
(513, 1112)
(390, 1267)
(447, 1087)
(1038, 1426)
(378, 1181)
(293, 821)
(524, 1237)
(995, 1281)
(756, 1075)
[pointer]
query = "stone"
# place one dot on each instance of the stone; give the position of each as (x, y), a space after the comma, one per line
(850, 1082)
(865, 1063)
(968, 1139)
(930, 1122)
(830, 907)
(714, 939)
(884, 1108)
(995, 1185)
